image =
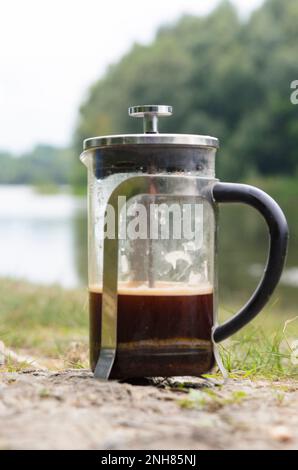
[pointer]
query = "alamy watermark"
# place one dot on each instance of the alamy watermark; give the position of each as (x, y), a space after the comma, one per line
(294, 94)
(154, 221)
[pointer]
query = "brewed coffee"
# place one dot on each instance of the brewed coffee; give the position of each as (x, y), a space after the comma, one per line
(164, 330)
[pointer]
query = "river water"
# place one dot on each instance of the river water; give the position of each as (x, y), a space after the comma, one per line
(38, 236)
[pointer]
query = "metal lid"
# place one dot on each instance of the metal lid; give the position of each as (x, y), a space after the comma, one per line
(150, 115)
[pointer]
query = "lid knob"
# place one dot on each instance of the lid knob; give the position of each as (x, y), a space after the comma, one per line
(150, 113)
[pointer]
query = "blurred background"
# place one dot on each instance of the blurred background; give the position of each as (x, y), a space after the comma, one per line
(69, 70)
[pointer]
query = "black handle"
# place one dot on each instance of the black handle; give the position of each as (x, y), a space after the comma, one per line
(278, 231)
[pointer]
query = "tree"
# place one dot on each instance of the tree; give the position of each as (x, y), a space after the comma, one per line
(223, 76)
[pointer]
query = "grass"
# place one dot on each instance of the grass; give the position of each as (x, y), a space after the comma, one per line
(256, 352)
(265, 348)
(52, 323)
(211, 400)
(43, 321)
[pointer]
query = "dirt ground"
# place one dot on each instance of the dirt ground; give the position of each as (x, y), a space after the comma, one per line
(71, 410)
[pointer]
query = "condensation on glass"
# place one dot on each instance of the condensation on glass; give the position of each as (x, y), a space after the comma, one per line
(168, 258)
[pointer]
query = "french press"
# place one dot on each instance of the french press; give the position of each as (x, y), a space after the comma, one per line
(152, 229)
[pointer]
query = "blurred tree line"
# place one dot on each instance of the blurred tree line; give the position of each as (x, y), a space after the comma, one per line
(224, 77)
(44, 165)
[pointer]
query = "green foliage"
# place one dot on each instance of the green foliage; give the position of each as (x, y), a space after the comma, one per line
(224, 77)
(44, 166)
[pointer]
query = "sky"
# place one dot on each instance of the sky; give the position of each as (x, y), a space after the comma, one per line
(51, 51)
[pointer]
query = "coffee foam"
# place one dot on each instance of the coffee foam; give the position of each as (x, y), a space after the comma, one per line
(159, 289)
